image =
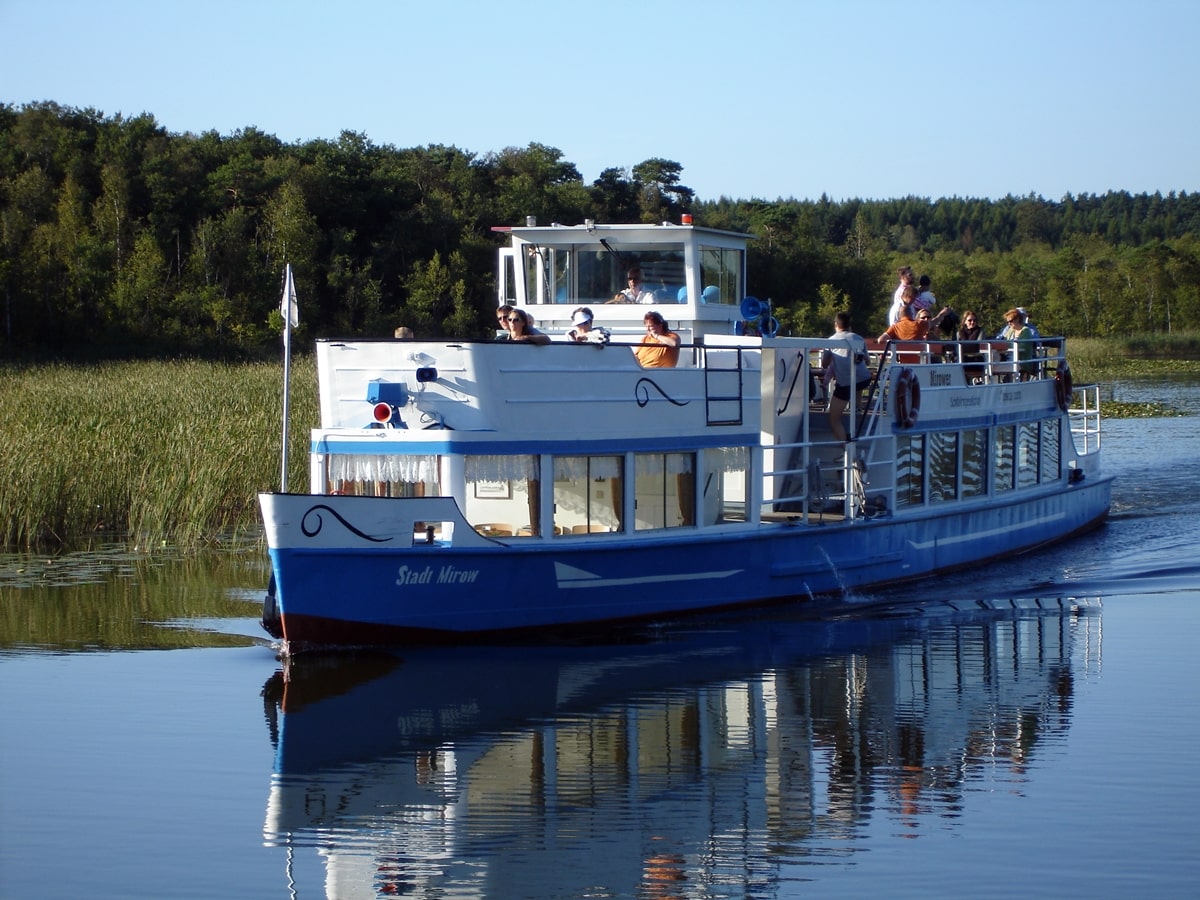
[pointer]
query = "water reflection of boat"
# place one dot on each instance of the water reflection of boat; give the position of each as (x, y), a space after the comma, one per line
(475, 772)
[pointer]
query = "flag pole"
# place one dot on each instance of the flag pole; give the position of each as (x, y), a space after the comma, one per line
(288, 309)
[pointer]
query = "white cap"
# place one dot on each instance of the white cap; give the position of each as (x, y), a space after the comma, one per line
(581, 318)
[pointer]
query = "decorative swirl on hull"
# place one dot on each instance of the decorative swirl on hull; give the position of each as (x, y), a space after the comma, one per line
(319, 521)
(643, 395)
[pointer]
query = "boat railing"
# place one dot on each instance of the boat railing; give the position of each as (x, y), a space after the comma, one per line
(1085, 418)
(983, 361)
(822, 479)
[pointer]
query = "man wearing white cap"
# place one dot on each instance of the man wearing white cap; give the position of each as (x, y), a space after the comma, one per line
(584, 332)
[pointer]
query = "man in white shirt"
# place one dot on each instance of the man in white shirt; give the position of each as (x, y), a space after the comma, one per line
(636, 292)
(841, 366)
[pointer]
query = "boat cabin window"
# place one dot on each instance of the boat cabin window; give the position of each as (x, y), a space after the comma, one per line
(503, 494)
(724, 485)
(588, 494)
(1002, 449)
(664, 490)
(382, 475)
(974, 463)
(1028, 466)
(1051, 456)
(943, 466)
(910, 469)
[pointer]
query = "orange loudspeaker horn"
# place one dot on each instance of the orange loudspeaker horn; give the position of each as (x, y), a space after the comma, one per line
(383, 412)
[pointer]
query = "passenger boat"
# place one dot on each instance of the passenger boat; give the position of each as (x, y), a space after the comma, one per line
(466, 491)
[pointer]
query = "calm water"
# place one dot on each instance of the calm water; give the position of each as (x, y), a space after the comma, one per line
(1029, 729)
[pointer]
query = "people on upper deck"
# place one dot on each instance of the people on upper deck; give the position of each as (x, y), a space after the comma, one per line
(502, 312)
(972, 353)
(584, 331)
(925, 298)
(520, 329)
(635, 290)
(842, 366)
(899, 304)
(659, 349)
(404, 333)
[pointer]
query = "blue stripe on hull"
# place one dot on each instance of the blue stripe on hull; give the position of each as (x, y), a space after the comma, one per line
(451, 595)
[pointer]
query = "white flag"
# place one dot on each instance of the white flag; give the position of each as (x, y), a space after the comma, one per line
(288, 307)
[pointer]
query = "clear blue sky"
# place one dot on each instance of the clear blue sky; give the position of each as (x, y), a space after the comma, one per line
(793, 98)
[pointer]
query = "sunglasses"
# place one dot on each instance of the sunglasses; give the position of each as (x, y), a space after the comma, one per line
(513, 319)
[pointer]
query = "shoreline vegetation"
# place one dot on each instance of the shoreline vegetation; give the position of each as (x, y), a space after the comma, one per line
(175, 452)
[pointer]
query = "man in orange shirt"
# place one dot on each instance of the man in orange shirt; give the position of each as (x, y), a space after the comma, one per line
(660, 347)
(913, 329)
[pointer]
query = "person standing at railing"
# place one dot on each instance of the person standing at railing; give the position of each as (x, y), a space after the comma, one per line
(659, 349)
(844, 366)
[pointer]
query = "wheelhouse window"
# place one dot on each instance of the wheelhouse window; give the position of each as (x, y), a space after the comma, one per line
(593, 277)
(721, 276)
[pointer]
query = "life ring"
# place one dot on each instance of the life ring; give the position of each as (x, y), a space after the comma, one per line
(1063, 387)
(908, 398)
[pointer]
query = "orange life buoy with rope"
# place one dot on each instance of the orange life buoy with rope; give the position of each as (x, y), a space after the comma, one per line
(1063, 387)
(908, 398)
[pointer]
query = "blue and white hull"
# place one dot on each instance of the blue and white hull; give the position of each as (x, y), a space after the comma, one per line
(361, 593)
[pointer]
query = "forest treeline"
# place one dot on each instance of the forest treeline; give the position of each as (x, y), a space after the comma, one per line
(121, 239)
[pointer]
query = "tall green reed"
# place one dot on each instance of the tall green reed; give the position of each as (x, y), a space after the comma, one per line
(155, 451)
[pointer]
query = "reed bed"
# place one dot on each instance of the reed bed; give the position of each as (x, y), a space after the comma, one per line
(1106, 359)
(150, 451)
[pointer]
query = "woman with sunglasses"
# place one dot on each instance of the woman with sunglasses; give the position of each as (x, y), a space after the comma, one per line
(518, 327)
(971, 330)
